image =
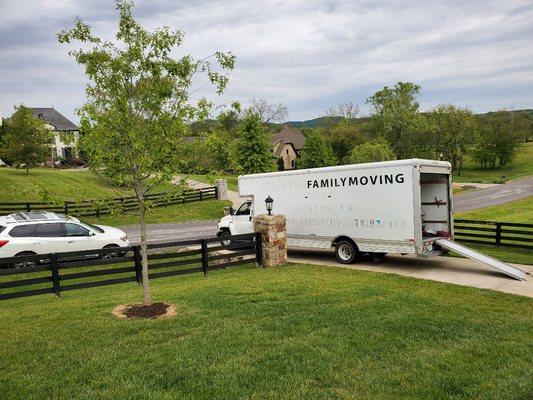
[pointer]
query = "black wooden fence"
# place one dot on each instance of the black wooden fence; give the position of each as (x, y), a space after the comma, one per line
(86, 208)
(491, 233)
(59, 272)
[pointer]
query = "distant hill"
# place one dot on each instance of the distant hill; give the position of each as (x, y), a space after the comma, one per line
(323, 121)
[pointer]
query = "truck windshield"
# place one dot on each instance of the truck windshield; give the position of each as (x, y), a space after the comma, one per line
(244, 209)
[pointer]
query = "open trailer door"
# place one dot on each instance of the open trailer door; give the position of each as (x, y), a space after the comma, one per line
(474, 255)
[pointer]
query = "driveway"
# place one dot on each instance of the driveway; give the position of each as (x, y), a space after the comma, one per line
(458, 271)
(492, 196)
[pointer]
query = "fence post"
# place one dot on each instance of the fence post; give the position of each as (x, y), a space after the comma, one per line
(28, 207)
(138, 264)
(65, 208)
(55, 274)
(498, 233)
(201, 194)
(205, 261)
(216, 192)
(258, 250)
(98, 212)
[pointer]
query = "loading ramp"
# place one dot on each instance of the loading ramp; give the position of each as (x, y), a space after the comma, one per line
(491, 262)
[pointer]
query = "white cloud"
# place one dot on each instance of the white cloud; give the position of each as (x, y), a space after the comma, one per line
(307, 54)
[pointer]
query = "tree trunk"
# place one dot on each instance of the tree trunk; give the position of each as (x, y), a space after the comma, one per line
(147, 295)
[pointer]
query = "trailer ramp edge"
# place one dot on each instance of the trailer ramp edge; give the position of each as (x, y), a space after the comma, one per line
(491, 262)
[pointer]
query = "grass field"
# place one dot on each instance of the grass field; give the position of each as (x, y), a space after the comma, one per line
(294, 332)
(521, 166)
(18, 186)
(197, 211)
(518, 211)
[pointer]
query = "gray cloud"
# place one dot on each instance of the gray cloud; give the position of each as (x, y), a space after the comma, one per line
(308, 54)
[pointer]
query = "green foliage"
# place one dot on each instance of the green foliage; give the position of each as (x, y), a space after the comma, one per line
(497, 145)
(138, 105)
(396, 117)
(316, 152)
(371, 151)
(455, 131)
(25, 140)
(253, 146)
(281, 164)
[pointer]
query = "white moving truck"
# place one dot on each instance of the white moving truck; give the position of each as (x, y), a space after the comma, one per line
(402, 206)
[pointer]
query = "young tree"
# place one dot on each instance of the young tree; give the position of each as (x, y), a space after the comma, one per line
(316, 152)
(455, 131)
(253, 147)
(395, 116)
(138, 105)
(371, 151)
(25, 139)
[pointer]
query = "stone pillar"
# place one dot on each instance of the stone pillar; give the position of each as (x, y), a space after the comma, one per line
(222, 189)
(274, 238)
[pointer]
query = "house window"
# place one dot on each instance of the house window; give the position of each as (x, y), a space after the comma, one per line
(292, 163)
(40, 116)
(287, 151)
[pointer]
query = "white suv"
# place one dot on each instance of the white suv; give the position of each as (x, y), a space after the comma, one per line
(29, 233)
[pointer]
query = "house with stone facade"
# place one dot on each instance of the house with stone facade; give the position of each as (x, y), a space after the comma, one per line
(66, 133)
(286, 145)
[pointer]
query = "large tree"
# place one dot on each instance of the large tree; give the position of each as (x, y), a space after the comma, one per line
(269, 112)
(317, 151)
(454, 131)
(138, 104)
(253, 146)
(396, 117)
(371, 151)
(25, 140)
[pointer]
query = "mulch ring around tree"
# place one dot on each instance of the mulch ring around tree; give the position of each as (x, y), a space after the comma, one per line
(139, 310)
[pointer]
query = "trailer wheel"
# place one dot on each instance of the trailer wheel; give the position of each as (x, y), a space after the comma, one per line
(346, 252)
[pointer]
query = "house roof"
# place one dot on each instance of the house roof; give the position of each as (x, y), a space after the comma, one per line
(54, 118)
(288, 135)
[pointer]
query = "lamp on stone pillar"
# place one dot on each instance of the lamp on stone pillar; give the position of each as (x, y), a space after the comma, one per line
(269, 202)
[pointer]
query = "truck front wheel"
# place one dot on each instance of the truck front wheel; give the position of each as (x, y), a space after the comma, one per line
(346, 252)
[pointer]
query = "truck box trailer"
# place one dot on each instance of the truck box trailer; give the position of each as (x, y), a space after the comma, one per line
(402, 206)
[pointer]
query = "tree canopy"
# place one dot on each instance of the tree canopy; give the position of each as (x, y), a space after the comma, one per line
(25, 139)
(138, 103)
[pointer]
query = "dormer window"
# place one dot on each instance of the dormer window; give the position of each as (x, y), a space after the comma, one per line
(40, 116)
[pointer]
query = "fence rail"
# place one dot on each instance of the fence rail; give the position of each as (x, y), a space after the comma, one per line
(505, 234)
(91, 208)
(58, 272)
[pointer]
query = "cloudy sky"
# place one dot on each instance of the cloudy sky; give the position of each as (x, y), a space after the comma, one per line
(307, 54)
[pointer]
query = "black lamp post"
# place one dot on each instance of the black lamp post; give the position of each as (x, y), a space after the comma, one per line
(269, 201)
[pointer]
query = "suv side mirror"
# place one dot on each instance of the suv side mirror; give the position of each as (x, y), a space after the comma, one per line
(231, 210)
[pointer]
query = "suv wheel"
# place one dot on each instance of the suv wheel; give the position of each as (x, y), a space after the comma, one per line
(24, 264)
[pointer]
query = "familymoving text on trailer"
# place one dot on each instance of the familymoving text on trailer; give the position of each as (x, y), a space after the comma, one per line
(319, 214)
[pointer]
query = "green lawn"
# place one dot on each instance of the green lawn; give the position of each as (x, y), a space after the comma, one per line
(197, 211)
(210, 178)
(518, 211)
(520, 167)
(294, 332)
(18, 186)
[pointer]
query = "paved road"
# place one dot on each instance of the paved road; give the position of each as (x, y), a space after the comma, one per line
(158, 233)
(511, 191)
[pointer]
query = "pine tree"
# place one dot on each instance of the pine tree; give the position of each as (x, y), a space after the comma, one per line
(253, 148)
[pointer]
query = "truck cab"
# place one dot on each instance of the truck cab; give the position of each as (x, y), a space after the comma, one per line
(238, 221)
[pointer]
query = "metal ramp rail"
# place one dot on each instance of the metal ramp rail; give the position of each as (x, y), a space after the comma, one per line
(491, 262)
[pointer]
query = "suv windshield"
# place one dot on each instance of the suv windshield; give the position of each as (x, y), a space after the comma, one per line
(93, 227)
